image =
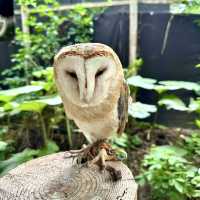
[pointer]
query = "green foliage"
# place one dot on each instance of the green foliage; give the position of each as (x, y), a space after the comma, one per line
(29, 103)
(140, 110)
(8, 95)
(37, 48)
(139, 81)
(26, 155)
(192, 144)
(121, 141)
(162, 88)
(133, 68)
(190, 6)
(49, 30)
(39, 105)
(45, 79)
(136, 141)
(17, 159)
(80, 28)
(121, 154)
(3, 149)
(126, 141)
(172, 102)
(169, 174)
(153, 84)
(186, 6)
(177, 85)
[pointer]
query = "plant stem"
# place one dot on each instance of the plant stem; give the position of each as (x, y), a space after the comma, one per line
(154, 121)
(26, 32)
(69, 132)
(44, 130)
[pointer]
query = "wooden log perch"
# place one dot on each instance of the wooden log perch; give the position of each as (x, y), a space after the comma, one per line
(54, 177)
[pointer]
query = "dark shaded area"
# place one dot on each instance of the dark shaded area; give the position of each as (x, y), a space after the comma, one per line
(6, 11)
(6, 49)
(6, 20)
(112, 28)
(6, 8)
(176, 62)
(182, 51)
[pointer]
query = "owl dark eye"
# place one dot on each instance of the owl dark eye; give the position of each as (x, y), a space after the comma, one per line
(72, 74)
(100, 72)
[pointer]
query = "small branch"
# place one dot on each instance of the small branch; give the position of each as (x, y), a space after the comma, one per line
(26, 31)
(86, 5)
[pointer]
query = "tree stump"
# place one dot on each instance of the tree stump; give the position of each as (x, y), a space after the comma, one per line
(54, 177)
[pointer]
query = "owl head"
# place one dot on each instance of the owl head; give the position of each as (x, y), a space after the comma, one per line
(87, 73)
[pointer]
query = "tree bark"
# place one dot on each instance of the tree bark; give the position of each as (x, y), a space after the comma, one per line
(55, 177)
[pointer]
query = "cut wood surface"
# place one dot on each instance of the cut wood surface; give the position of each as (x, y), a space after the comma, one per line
(55, 177)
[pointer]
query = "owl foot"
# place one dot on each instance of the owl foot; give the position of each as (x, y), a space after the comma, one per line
(76, 153)
(106, 153)
(97, 153)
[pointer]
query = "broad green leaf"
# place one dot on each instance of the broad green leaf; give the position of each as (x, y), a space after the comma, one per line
(160, 88)
(17, 159)
(121, 141)
(10, 106)
(139, 81)
(136, 140)
(178, 186)
(3, 146)
(3, 130)
(26, 155)
(8, 95)
(141, 110)
(51, 147)
(174, 159)
(166, 150)
(196, 181)
(192, 172)
(196, 193)
(39, 105)
(194, 105)
(176, 85)
(32, 106)
(173, 102)
(52, 101)
(197, 66)
(6, 98)
(2, 113)
(120, 154)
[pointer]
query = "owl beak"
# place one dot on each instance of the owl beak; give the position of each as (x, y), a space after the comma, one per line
(87, 91)
(89, 88)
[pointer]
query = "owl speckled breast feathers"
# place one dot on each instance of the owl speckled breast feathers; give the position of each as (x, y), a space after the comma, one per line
(90, 80)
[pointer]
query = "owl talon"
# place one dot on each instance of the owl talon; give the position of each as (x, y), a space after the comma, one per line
(76, 153)
(71, 154)
(98, 154)
(101, 159)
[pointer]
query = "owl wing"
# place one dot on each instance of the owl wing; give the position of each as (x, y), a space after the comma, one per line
(123, 108)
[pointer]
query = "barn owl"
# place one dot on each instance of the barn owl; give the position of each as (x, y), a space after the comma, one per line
(90, 80)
